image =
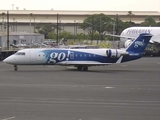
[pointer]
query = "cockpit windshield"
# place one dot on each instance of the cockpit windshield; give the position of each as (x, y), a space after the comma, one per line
(20, 53)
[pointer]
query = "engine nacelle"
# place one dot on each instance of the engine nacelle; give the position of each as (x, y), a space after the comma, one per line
(115, 53)
(127, 43)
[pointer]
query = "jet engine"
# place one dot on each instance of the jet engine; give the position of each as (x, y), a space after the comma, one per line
(115, 53)
(127, 43)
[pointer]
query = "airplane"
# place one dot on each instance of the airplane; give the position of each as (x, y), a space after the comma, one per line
(129, 34)
(79, 58)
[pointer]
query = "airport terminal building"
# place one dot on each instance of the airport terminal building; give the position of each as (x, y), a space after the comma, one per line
(26, 20)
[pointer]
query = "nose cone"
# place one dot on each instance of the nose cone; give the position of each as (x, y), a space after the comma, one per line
(9, 60)
(4, 60)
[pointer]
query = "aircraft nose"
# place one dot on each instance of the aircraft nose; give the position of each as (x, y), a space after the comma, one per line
(4, 60)
(9, 60)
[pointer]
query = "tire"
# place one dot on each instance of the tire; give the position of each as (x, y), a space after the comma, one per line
(85, 68)
(79, 67)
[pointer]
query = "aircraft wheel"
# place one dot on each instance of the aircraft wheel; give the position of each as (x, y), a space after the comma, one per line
(15, 67)
(85, 68)
(79, 67)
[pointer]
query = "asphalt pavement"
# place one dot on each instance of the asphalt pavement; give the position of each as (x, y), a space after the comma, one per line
(128, 91)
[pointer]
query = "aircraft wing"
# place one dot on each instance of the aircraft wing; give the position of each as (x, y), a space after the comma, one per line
(155, 39)
(151, 41)
(121, 36)
(88, 63)
(155, 42)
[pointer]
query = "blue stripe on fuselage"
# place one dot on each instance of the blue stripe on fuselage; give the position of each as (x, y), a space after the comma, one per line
(63, 55)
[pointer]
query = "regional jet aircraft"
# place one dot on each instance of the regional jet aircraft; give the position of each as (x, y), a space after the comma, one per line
(80, 58)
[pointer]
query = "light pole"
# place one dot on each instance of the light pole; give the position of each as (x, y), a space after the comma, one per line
(91, 24)
(13, 26)
(116, 22)
(57, 28)
(16, 26)
(30, 29)
(92, 30)
(7, 30)
(2, 31)
(84, 34)
(75, 28)
(100, 27)
(113, 29)
(34, 23)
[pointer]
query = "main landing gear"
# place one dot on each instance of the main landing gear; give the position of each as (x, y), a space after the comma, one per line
(15, 67)
(82, 68)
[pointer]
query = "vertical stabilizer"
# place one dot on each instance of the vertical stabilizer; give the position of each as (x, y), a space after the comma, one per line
(139, 44)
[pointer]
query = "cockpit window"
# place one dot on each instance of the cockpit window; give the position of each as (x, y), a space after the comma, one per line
(20, 53)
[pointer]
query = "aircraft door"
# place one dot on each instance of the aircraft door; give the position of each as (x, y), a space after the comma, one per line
(33, 55)
(40, 56)
(71, 55)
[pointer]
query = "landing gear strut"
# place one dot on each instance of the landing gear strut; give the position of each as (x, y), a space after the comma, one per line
(82, 68)
(15, 67)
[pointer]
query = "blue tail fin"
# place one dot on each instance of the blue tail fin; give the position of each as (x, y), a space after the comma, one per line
(139, 44)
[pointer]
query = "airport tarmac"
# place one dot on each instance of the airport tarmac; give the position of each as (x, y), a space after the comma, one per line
(128, 91)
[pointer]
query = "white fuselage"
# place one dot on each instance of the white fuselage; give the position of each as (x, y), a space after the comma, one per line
(56, 56)
(135, 31)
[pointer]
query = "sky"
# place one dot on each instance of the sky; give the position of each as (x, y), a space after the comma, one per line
(91, 5)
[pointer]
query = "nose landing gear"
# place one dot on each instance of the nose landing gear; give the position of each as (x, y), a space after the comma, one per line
(15, 67)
